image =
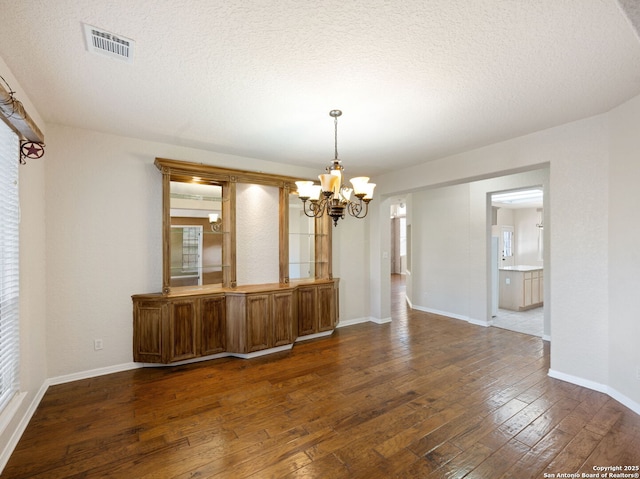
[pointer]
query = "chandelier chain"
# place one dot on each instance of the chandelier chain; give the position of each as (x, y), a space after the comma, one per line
(335, 133)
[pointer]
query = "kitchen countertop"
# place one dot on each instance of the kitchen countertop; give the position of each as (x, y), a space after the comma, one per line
(522, 268)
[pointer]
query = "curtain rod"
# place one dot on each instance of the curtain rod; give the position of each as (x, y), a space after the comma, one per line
(16, 116)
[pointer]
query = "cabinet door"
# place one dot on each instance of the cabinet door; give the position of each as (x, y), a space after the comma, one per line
(535, 289)
(526, 301)
(282, 318)
(258, 313)
(182, 330)
(147, 331)
(307, 311)
(213, 327)
(326, 308)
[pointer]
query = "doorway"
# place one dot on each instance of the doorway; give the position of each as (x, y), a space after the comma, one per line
(399, 256)
(517, 268)
(398, 237)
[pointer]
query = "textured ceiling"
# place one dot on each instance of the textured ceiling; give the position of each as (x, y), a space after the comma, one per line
(416, 80)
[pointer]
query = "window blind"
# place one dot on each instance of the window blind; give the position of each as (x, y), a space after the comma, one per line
(9, 264)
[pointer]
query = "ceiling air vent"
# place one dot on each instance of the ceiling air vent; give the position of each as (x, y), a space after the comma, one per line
(109, 44)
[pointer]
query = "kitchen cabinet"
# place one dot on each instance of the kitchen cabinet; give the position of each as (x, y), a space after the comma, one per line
(521, 288)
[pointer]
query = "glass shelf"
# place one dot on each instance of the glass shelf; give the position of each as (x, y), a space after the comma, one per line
(318, 235)
(205, 229)
(210, 268)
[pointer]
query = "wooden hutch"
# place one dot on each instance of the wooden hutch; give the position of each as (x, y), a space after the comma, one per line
(215, 316)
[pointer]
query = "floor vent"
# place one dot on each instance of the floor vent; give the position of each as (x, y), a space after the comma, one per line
(106, 43)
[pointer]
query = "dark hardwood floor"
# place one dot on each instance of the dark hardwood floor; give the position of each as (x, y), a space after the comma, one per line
(424, 396)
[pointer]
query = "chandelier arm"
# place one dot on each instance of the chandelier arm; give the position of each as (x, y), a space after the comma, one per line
(356, 209)
(315, 209)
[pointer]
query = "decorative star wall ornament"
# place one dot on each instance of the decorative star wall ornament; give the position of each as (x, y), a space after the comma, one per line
(31, 150)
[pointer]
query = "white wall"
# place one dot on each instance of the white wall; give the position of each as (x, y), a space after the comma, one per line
(104, 234)
(526, 233)
(576, 230)
(579, 189)
(527, 236)
(440, 251)
(351, 265)
(379, 273)
(505, 217)
(624, 251)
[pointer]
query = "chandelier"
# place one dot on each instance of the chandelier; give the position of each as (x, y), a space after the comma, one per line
(331, 196)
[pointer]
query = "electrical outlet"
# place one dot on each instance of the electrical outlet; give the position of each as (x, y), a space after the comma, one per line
(638, 373)
(97, 344)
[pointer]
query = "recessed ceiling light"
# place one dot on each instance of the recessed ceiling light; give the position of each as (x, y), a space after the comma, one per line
(520, 196)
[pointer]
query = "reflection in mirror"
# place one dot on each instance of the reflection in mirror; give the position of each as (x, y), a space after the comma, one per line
(196, 234)
(301, 241)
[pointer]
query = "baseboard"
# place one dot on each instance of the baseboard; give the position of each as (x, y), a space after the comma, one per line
(626, 401)
(22, 425)
(476, 322)
(92, 373)
(314, 336)
(409, 303)
(255, 354)
(263, 352)
(441, 313)
(10, 410)
(578, 381)
(186, 361)
(380, 320)
(586, 383)
(479, 322)
(366, 319)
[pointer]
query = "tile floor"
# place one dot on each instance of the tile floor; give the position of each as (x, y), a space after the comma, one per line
(527, 322)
